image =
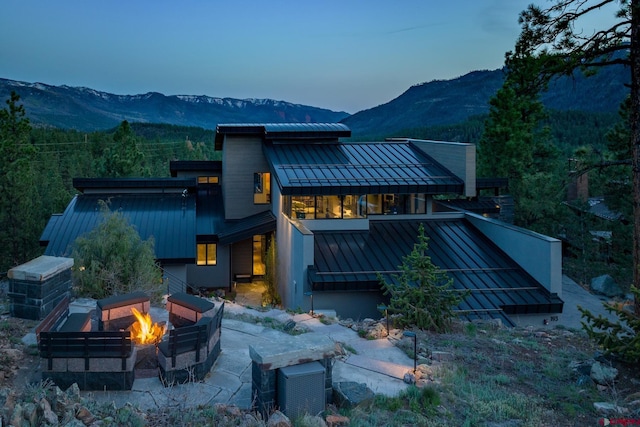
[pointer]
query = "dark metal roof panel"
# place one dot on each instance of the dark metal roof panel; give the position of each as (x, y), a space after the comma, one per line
(176, 166)
(261, 223)
(49, 229)
(358, 168)
(346, 260)
(133, 183)
(210, 212)
(270, 131)
(169, 218)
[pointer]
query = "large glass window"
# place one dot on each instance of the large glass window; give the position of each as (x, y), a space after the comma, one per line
(261, 187)
(303, 207)
(354, 205)
(206, 254)
(328, 207)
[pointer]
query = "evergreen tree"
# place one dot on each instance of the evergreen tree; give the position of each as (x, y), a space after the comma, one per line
(557, 36)
(20, 219)
(422, 293)
(124, 157)
(515, 145)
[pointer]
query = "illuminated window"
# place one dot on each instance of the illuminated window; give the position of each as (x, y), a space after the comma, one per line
(207, 254)
(261, 188)
(207, 180)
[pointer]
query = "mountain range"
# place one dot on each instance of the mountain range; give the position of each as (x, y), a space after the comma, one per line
(439, 102)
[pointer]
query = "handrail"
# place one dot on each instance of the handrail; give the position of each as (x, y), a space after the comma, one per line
(194, 290)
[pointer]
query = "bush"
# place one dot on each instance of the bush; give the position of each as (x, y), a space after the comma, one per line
(112, 259)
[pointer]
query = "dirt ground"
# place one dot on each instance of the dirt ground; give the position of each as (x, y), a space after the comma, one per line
(490, 374)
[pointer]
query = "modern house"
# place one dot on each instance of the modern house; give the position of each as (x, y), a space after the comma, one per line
(341, 212)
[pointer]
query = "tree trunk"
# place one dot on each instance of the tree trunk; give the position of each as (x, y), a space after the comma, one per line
(635, 135)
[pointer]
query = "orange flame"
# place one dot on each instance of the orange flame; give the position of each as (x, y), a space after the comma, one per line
(144, 331)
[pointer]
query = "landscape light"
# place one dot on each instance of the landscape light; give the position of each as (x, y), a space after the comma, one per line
(310, 294)
(383, 307)
(412, 334)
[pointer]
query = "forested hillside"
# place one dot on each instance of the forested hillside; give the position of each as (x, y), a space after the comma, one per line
(448, 103)
(89, 110)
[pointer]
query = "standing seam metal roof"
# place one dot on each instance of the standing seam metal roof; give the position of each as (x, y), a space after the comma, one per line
(169, 218)
(270, 131)
(351, 261)
(358, 168)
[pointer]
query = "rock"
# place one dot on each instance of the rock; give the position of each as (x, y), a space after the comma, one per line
(313, 421)
(32, 413)
(47, 413)
(582, 368)
(409, 378)
(84, 415)
(289, 326)
(73, 392)
(16, 416)
(334, 420)
(348, 394)
(602, 374)
(584, 380)
(605, 285)
(74, 423)
(424, 372)
(278, 419)
(609, 408)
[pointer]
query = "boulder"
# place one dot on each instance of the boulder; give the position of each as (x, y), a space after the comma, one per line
(348, 394)
(609, 408)
(602, 374)
(605, 285)
(278, 419)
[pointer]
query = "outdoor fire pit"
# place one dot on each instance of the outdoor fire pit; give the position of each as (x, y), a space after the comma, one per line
(128, 344)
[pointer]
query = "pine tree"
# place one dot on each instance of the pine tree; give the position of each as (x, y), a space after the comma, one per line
(422, 294)
(20, 211)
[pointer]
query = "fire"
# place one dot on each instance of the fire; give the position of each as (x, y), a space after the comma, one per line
(144, 331)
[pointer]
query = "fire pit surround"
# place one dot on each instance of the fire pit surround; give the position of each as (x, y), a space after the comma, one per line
(106, 359)
(194, 344)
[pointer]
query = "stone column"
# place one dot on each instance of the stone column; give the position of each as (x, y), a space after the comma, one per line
(267, 358)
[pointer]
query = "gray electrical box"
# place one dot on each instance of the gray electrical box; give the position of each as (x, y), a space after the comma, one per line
(301, 389)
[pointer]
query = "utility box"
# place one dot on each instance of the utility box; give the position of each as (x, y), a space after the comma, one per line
(37, 286)
(301, 389)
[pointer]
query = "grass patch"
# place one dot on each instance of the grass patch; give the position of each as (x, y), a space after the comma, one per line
(349, 348)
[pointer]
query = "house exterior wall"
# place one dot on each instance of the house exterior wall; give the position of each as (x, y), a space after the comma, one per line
(354, 305)
(295, 253)
(459, 158)
(215, 276)
(241, 158)
(538, 255)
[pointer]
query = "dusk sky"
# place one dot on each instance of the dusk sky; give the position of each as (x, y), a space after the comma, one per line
(342, 55)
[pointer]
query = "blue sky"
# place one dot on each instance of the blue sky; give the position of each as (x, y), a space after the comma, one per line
(342, 55)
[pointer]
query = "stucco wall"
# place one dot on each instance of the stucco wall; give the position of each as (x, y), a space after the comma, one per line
(295, 254)
(539, 255)
(241, 158)
(458, 157)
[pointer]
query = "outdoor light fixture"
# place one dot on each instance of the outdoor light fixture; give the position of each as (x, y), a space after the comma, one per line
(310, 294)
(383, 307)
(411, 334)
